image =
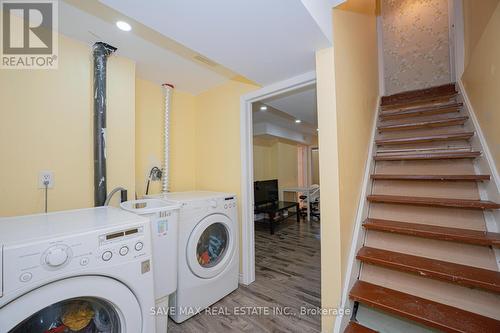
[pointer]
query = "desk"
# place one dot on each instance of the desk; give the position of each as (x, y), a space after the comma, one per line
(305, 190)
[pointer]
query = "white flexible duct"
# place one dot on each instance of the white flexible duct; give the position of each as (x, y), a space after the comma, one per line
(166, 153)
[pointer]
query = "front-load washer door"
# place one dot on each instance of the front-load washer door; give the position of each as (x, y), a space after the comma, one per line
(211, 246)
(82, 304)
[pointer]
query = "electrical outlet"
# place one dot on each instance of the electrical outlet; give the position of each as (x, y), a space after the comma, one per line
(45, 176)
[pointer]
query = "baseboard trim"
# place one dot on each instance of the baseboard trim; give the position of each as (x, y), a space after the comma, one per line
(484, 146)
(485, 165)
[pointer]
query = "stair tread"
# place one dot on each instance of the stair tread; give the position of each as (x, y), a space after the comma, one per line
(354, 327)
(421, 310)
(467, 276)
(421, 107)
(421, 111)
(434, 202)
(428, 138)
(468, 236)
(419, 95)
(444, 98)
(431, 177)
(428, 156)
(424, 124)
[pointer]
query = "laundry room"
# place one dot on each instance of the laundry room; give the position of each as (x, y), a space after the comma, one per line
(186, 166)
(92, 125)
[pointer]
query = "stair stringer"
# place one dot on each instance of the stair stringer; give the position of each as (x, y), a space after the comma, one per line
(484, 164)
(359, 233)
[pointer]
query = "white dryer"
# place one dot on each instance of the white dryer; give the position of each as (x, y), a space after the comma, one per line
(208, 266)
(86, 269)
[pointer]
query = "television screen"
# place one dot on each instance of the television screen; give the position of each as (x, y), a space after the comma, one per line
(265, 191)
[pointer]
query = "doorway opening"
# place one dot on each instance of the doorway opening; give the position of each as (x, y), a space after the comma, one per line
(280, 190)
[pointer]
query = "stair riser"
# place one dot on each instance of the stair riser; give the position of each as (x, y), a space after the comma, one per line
(409, 141)
(432, 235)
(402, 128)
(456, 189)
(459, 166)
(430, 178)
(421, 119)
(453, 276)
(425, 158)
(384, 117)
(435, 204)
(434, 249)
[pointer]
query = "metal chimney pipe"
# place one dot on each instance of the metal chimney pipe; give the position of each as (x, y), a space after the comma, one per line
(101, 51)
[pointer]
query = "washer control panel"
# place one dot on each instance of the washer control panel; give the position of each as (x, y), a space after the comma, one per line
(121, 245)
(229, 202)
(45, 260)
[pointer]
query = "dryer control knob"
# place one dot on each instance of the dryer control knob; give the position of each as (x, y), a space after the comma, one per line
(56, 257)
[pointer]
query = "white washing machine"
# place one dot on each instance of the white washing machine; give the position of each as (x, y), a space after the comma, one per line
(208, 266)
(86, 269)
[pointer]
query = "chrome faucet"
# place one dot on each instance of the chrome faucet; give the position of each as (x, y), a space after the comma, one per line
(116, 189)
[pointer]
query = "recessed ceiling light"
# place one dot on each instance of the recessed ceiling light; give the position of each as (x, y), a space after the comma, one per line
(123, 26)
(298, 121)
(263, 108)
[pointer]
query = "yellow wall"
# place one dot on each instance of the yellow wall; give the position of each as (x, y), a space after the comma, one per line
(275, 159)
(265, 164)
(218, 137)
(482, 77)
(287, 164)
(356, 66)
(347, 102)
(205, 137)
(477, 14)
(46, 121)
(150, 106)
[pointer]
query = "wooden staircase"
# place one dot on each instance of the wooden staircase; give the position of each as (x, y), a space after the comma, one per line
(427, 259)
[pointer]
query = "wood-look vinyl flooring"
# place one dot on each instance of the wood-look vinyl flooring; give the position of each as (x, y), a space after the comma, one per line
(287, 280)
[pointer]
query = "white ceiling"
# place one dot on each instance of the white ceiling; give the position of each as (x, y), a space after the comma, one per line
(274, 118)
(301, 104)
(153, 62)
(279, 119)
(264, 41)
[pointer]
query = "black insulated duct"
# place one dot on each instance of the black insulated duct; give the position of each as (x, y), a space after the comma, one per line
(101, 52)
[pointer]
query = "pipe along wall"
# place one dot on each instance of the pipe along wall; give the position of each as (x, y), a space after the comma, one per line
(168, 88)
(101, 52)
